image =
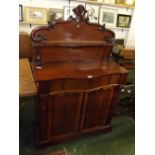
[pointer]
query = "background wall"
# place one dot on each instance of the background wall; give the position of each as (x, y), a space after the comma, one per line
(130, 42)
(126, 34)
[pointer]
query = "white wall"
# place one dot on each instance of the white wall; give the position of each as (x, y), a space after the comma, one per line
(127, 34)
(130, 43)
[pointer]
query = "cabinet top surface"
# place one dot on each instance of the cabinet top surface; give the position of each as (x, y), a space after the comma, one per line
(70, 70)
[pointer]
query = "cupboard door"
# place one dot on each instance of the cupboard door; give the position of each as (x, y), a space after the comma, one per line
(61, 115)
(98, 106)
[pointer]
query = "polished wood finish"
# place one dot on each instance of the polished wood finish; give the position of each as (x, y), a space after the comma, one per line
(25, 48)
(75, 70)
(127, 59)
(96, 107)
(27, 85)
(73, 41)
(77, 83)
(59, 114)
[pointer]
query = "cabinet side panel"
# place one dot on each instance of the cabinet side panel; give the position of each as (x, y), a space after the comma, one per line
(123, 78)
(43, 117)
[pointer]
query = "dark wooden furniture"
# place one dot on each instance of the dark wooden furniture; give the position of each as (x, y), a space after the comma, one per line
(77, 84)
(127, 58)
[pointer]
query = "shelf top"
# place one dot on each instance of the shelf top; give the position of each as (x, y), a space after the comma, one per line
(71, 70)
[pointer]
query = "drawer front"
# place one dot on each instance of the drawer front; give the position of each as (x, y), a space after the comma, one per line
(79, 84)
(100, 81)
(114, 79)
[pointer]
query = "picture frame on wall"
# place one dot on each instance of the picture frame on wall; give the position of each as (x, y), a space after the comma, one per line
(36, 15)
(123, 20)
(55, 14)
(129, 3)
(120, 2)
(120, 41)
(108, 17)
(107, 1)
(68, 11)
(93, 12)
(20, 13)
(119, 44)
(125, 2)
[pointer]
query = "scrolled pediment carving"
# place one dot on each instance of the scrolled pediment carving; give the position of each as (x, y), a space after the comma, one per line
(74, 29)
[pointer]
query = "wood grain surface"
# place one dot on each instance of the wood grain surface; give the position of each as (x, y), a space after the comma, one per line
(27, 85)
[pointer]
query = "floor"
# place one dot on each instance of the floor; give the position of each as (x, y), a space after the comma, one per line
(120, 141)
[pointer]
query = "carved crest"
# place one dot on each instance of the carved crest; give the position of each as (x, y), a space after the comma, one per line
(72, 29)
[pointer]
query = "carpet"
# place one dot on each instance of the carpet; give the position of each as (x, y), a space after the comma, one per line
(120, 141)
(58, 152)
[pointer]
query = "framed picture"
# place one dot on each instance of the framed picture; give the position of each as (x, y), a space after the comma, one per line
(120, 42)
(125, 2)
(129, 2)
(123, 20)
(108, 17)
(107, 1)
(20, 13)
(36, 15)
(121, 2)
(55, 15)
(119, 45)
(93, 12)
(100, 1)
(68, 12)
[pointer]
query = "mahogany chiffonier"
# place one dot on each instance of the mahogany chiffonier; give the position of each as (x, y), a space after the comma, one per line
(77, 83)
